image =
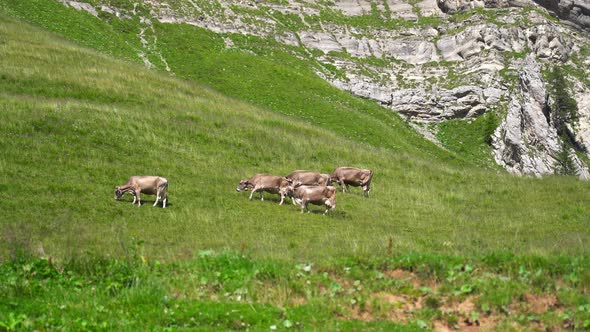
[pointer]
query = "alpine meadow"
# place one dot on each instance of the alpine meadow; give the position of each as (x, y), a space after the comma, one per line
(447, 239)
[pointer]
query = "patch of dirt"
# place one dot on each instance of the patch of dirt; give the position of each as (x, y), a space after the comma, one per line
(344, 282)
(539, 304)
(298, 300)
(483, 324)
(403, 302)
(387, 306)
(442, 327)
(463, 308)
(400, 274)
(467, 322)
(357, 314)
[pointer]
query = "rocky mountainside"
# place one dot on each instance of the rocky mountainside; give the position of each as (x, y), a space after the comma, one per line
(429, 60)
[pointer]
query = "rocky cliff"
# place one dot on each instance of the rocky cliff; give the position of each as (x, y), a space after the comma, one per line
(428, 60)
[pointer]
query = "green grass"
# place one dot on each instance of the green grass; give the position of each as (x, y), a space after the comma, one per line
(471, 139)
(80, 123)
(230, 291)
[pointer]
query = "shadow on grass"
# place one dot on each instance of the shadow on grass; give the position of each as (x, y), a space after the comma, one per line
(144, 202)
(333, 214)
(353, 192)
(313, 209)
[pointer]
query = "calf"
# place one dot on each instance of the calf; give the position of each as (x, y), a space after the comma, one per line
(150, 185)
(317, 195)
(353, 176)
(265, 182)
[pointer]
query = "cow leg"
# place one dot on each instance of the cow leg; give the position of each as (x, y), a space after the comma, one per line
(164, 201)
(134, 198)
(157, 197)
(347, 187)
(138, 195)
(262, 195)
(282, 199)
(252, 193)
(329, 205)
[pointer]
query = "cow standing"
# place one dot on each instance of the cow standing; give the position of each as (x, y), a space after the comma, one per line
(265, 182)
(307, 178)
(353, 176)
(317, 195)
(150, 185)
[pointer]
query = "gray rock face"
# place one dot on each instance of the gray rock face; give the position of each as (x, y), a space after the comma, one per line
(456, 6)
(526, 143)
(582, 130)
(81, 6)
(544, 40)
(575, 11)
(427, 106)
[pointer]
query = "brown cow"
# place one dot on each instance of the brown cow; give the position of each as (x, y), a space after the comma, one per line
(265, 182)
(353, 176)
(317, 195)
(151, 185)
(308, 178)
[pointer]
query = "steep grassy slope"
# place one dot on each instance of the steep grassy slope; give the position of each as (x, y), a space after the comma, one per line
(267, 75)
(78, 123)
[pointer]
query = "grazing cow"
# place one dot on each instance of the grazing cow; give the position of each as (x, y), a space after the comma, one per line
(307, 178)
(317, 195)
(353, 176)
(265, 182)
(150, 185)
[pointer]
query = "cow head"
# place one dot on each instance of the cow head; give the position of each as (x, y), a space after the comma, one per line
(118, 193)
(296, 184)
(244, 185)
(287, 191)
(333, 178)
(327, 178)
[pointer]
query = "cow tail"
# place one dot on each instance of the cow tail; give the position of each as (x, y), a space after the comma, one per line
(165, 189)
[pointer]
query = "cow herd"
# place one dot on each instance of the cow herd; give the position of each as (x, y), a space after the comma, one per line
(305, 187)
(302, 187)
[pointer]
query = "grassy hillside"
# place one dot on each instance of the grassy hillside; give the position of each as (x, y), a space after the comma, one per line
(265, 75)
(76, 123)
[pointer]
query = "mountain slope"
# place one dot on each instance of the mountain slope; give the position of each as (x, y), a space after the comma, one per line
(430, 61)
(78, 123)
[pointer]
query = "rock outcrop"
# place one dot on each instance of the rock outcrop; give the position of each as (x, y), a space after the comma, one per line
(526, 142)
(575, 11)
